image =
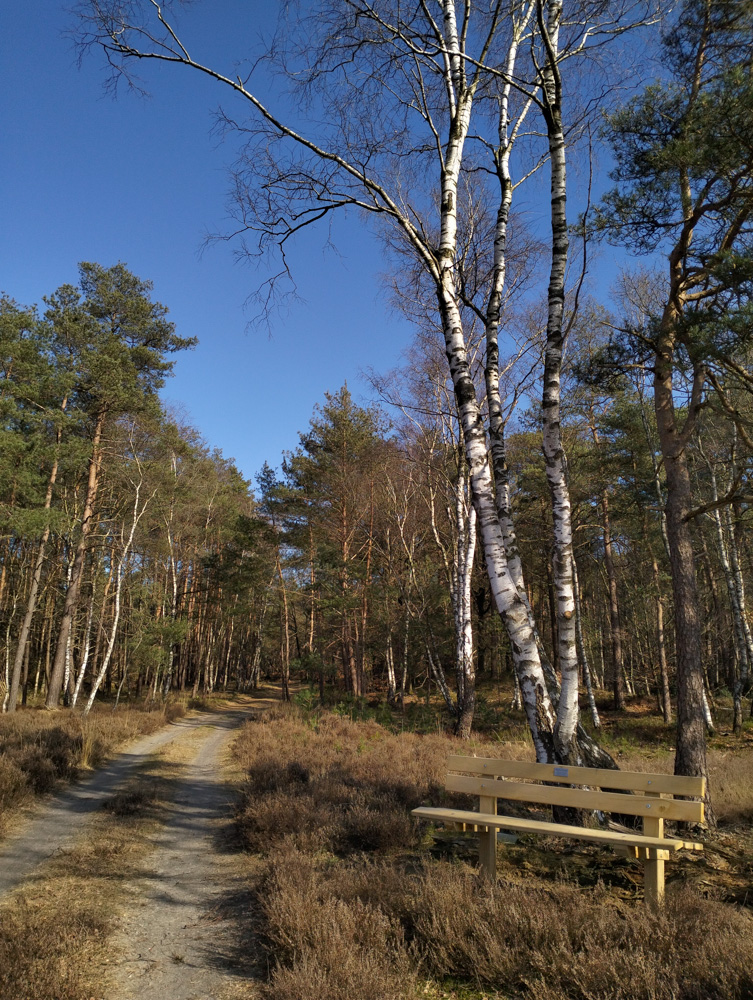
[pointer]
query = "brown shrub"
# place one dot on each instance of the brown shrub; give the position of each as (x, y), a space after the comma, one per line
(39, 770)
(131, 801)
(554, 944)
(176, 710)
(562, 943)
(364, 926)
(13, 785)
(326, 948)
(341, 785)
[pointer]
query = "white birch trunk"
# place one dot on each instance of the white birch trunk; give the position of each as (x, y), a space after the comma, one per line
(464, 628)
(507, 600)
(87, 648)
(730, 563)
(504, 590)
(136, 517)
(562, 561)
(583, 653)
(391, 678)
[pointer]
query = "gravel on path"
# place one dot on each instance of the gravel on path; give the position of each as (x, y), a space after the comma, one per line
(180, 939)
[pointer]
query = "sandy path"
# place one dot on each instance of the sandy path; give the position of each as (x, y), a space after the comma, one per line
(54, 824)
(180, 940)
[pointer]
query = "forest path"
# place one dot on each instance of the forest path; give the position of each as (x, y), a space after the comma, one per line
(52, 826)
(178, 938)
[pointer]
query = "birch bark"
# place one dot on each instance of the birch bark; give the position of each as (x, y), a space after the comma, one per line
(138, 512)
(442, 52)
(549, 17)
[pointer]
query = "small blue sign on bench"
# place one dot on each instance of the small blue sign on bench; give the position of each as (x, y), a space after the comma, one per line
(560, 772)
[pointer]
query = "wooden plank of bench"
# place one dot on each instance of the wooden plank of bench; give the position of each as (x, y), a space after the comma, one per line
(578, 798)
(552, 829)
(688, 845)
(629, 781)
(643, 853)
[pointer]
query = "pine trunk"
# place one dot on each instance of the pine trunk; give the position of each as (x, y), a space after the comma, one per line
(690, 755)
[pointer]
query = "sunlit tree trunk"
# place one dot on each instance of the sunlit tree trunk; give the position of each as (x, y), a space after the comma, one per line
(71, 597)
(31, 604)
(690, 758)
(583, 653)
(119, 572)
(562, 561)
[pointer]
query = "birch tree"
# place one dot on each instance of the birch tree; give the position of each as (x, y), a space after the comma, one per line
(407, 93)
(141, 500)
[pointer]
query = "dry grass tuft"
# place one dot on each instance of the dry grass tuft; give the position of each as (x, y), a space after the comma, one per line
(54, 932)
(131, 801)
(36, 939)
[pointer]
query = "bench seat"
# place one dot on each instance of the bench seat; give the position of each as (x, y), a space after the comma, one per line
(482, 822)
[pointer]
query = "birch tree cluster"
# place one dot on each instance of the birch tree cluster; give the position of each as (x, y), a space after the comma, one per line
(355, 566)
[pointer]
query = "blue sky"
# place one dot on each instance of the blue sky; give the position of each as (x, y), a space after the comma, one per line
(86, 177)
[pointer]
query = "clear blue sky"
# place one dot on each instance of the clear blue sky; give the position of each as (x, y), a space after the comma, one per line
(86, 177)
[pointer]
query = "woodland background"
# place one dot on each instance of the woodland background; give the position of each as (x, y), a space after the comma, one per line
(137, 560)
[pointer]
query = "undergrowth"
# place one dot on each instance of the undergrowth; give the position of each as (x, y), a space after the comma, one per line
(352, 905)
(55, 932)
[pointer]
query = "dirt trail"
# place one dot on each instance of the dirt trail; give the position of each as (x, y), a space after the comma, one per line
(178, 939)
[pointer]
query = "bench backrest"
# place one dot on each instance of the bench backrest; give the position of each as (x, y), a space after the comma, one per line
(652, 793)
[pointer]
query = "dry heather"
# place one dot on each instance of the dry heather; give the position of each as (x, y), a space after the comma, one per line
(349, 907)
(55, 931)
(443, 921)
(329, 783)
(730, 775)
(38, 749)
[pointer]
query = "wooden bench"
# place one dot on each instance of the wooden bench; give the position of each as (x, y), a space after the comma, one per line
(651, 796)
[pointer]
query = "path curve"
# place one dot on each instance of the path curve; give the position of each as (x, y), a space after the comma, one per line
(56, 823)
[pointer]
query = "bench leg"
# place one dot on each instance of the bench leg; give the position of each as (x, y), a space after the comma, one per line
(653, 866)
(653, 882)
(487, 853)
(487, 842)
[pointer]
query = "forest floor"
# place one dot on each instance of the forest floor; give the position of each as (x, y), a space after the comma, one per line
(258, 851)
